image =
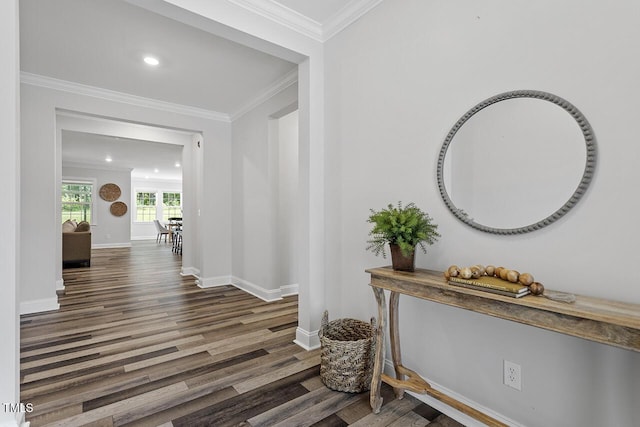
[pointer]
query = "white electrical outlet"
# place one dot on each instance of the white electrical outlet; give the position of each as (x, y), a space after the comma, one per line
(512, 375)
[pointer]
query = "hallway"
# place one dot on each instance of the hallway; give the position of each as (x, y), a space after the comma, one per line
(135, 343)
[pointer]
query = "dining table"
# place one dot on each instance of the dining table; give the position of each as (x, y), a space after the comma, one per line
(175, 223)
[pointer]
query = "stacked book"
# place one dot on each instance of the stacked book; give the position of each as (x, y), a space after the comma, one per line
(492, 284)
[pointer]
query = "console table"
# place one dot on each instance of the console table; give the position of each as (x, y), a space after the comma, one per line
(608, 322)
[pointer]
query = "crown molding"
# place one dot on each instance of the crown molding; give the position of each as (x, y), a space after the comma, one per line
(282, 15)
(276, 12)
(93, 166)
(347, 16)
(139, 182)
(288, 80)
(138, 179)
(96, 92)
(110, 95)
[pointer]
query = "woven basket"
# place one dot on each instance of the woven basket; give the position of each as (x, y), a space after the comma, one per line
(347, 352)
(110, 192)
(118, 208)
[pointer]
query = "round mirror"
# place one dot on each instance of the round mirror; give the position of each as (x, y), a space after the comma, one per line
(516, 162)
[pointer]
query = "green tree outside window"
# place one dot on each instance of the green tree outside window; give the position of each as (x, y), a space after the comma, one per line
(145, 206)
(77, 201)
(171, 206)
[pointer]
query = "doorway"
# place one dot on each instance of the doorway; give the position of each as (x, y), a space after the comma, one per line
(136, 157)
(284, 132)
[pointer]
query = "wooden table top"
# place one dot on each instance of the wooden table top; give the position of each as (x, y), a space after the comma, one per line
(609, 322)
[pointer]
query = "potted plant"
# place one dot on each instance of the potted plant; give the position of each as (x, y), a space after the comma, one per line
(403, 228)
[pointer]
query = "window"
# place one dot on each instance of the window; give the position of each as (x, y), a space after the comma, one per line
(145, 206)
(171, 206)
(77, 201)
(154, 204)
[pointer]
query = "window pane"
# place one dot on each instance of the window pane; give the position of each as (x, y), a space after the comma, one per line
(145, 206)
(171, 199)
(76, 201)
(145, 213)
(171, 212)
(171, 206)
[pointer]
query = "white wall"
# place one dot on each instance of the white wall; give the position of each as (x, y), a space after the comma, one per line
(256, 197)
(238, 23)
(10, 176)
(147, 230)
(287, 239)
(107, 230)
(396, 81)
(206, 241)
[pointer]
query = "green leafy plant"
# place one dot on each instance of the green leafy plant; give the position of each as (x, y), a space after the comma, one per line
(406, 227)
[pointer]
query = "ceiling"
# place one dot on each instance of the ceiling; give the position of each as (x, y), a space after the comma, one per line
(85, 149)
(101, 44)
(320, 11)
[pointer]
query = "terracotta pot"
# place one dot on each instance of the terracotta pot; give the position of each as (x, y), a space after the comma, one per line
(401, 262)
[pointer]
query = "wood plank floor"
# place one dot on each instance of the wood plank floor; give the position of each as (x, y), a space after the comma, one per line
(136, 344)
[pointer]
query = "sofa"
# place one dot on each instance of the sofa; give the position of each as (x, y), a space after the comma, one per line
(76, 243)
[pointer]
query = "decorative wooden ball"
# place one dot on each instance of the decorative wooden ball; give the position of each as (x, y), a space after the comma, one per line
(489, 270)
(513, 276)
(526, 279)
(453, 271)
(536, 288)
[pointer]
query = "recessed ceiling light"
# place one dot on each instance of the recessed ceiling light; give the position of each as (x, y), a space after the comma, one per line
(150, 60)
(156, 170)
(177, 164)
(108, 159)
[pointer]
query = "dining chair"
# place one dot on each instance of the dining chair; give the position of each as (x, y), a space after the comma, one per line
(162, 231)
(177, 241)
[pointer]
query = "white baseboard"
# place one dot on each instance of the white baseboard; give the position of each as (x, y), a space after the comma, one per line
(307, 340)
(189, 271)
(212, 282)
(111, 245)
(448, 410)
(264, 294)
(267, 295)
(59, 285)
(287, 290)
(39, 305)
(144, 237)
(17, 421)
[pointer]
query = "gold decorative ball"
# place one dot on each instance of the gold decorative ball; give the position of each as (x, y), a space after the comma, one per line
(513, 276)
(453, 271)
(466, 273)
(536, 288)
(526, 279)
(489, 270)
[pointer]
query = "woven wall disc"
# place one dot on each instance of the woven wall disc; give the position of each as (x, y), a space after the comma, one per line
(118, 208)
(110, 192)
